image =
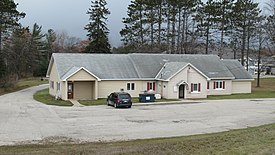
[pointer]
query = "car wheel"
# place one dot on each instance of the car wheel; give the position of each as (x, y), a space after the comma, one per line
(108, 103)
(129, 106)
(115, 105)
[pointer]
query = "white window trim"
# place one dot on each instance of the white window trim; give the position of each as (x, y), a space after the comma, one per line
(195, 91)
(131, 88)
(221, 82)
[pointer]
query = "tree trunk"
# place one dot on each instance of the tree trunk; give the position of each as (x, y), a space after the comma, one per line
(152, 29)
(243, 45)
(183, 33)
(247, 52)
(186, 34)
(141, 27)
(207, 37)
(179, 32)
(168, 31)
(159, 25)
(173, 31)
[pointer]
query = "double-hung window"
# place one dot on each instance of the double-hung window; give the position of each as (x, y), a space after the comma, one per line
(151, 86)
(219, 85)
(130, 86)
(195, 87)
(52, 84)
(58, 86)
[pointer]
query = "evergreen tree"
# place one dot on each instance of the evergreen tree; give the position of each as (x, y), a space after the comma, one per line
(49, 44)
(133, 32)
(97, 29)
(245, 14)
(9, 17)
(37, 57)
(207, 17)
(224, 9)
(270, 26)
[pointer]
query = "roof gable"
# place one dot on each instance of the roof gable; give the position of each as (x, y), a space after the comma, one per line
(171, 69)
(75, 70)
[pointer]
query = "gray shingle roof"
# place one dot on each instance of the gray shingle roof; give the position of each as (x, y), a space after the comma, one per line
(236, 69)
(170, 69)
(137, 66)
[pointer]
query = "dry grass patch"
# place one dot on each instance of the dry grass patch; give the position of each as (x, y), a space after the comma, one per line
(22, 84)
(257, 140)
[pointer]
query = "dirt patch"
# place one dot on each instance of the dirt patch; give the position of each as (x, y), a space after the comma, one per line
(140, 121)
(52, 140)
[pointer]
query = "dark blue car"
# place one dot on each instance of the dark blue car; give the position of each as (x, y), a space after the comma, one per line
(119, 99)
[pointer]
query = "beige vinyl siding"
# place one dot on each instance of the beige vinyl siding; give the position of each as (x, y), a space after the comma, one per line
(241, 87)
(107, 87)
(63, 89)
(81, 75)
(226, 91)
(165, 90)
(53, 78)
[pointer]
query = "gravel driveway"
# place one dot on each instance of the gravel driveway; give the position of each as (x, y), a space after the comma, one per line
(24, 120)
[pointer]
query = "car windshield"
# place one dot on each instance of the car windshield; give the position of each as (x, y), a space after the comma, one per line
(124, 96)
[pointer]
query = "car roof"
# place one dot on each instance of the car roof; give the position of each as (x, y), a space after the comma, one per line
(120, 93)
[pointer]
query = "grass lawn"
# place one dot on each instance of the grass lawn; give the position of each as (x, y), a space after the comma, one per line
(266, 90)
(22, 84)
(257, 140)
(44, 97)
(102, 101)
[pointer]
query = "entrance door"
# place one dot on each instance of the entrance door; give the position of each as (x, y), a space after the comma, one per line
(70, 90)
(181, 91)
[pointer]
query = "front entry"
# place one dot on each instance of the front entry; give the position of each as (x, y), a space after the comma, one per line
(181, 91)
(70, 90)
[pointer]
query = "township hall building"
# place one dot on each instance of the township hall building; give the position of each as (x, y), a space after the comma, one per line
(173, 76)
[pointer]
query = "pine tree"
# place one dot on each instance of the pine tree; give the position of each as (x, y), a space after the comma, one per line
(9, 17)
(133, 32)
(245, 14)
(223, 21)
(206, 18)
(97, 28)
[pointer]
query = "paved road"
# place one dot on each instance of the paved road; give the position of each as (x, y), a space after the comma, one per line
(23, 119)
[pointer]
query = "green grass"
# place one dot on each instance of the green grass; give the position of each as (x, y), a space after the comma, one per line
(22, 84)
(256, 140)
(266, 90)
(102, 101)
(44, 97)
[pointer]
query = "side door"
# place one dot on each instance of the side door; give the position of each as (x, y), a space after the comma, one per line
(70, 90)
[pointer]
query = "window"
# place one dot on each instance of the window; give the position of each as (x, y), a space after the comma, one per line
(151, 86)
(130, 86)
(57, 85)
(208, 84)
(52, 84)
(195, 87)
(219, 85)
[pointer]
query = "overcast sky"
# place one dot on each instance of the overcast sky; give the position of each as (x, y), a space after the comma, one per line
(70, 16)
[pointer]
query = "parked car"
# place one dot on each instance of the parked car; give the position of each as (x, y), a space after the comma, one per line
(119, 99)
